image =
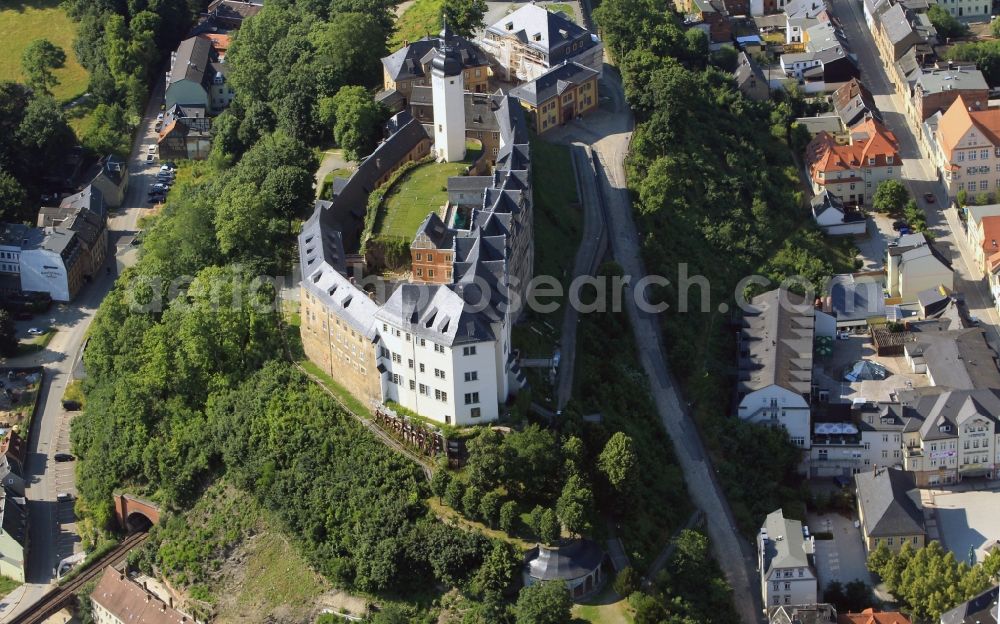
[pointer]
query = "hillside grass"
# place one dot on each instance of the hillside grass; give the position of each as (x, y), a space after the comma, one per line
(21, 22)
(421, 19)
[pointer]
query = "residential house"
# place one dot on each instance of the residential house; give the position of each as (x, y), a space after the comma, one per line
(846, 445)
(776, 356)
(965, 145)
(111, 179)
(886, 509)
(916, 265)
(852, 170)
(981, 231)
(229, 14)
(525, 44)
(935, 90)
(750, 79)
(800, 15)
(117, 599)
(904, 36)
(853, 103)
(561, 94)
(802, 614)
(186, 134)
(968, 8)
(836, 219)
(197, 75)
(53, 260)
(785, 553)
(83, 213)
(710, 16)
(951, 435)
(410, 67)
(981, 609)
(825, 64)
(13, 536)
(871, 616)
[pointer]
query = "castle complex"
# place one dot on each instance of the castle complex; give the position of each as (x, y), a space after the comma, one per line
(438, 343)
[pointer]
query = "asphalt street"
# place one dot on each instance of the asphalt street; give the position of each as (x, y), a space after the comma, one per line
(52, 525)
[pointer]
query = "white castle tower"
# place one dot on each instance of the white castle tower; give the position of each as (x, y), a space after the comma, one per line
(448, 89)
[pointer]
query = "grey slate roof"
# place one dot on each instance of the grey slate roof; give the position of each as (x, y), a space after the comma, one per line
(888, 510)
(936, 414)
(552, 83)
(407, 62)
(853, 101)
(779, 338)
(15, 518)
(436, 231)
(939, 80)
(791, 551)
(544, 30)
(436, 312)
(192, 60)
(566, 562)
(960, 359)
(980, 610)
(826, 201)
(853, 300)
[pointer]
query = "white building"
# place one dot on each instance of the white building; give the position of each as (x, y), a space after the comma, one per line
(776, 353)
(785, 559)
(834, 218)
(448, 92)
(914, 266)
(442, 361)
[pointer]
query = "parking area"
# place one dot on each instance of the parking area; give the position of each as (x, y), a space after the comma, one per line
(843, 557)
(967, 520)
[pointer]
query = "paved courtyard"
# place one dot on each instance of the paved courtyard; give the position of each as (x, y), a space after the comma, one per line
(968, 520)
(842, 558)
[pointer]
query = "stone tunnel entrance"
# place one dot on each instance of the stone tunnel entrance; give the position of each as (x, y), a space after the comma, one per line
(135, 514)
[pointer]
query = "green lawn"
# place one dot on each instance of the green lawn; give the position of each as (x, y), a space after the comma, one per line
(33, 344)
(421, 191)
(605, 608)
(23, 21)
(421, 19)
(7, 585)
(558, 217)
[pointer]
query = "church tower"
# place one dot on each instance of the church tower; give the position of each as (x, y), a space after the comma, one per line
(448, 91)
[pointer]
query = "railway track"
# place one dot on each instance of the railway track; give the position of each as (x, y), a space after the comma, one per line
(58, 597)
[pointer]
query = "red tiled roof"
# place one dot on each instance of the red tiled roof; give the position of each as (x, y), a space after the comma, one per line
(870, 616)
(130, 602)
(869, 140)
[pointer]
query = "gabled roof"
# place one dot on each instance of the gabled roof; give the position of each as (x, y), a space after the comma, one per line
(853, 101)
(802, 614)
(538, 28)
(871, 616)
(785, 546)
(958, 120)
(885, 503)
(960, 359)
(407, 63)
(552, 83)
(14, 518)
(130, 602)
(191, 61)
(778, 332)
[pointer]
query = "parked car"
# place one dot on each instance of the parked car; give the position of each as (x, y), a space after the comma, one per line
(163, 177)
(35, 331)
(170, 165)
(64, 497)
(64, 457)
(893, 244)
(843, 335)
(899, 225)
(167, 167)
(150, 158)
(71, 406)
(159, 117)
(151, 148)
(159, 186)
(974, 320)
(930, 198)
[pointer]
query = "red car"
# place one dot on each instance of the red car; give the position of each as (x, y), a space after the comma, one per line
(930, 198)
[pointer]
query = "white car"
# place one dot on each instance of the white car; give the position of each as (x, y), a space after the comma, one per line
(34, 331)
(151, 149)
(166, 168)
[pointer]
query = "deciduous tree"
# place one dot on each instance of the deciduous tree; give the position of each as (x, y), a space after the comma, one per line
(38, 60)
(544, 603)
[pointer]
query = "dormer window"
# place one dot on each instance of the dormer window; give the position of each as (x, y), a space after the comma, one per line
(871, 161)
(888, 160)
(509, 26)
(537, 37)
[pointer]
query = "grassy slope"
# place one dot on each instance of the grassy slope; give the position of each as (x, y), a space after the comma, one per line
(23, 22)
(422, 18)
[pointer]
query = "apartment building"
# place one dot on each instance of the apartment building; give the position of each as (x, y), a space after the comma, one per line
(559, 95)
(525, 44)
(935, 90)
(785, 559)
(853, 168)
(964, 143)
(916, 265)
(197, 75)
(776, 354)
(117, 599)
(904, 36)
(410, 67)
(870, 435)
(951, 435)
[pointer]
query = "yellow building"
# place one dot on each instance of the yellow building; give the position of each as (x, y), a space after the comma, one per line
(887, 512)
(558, 96)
